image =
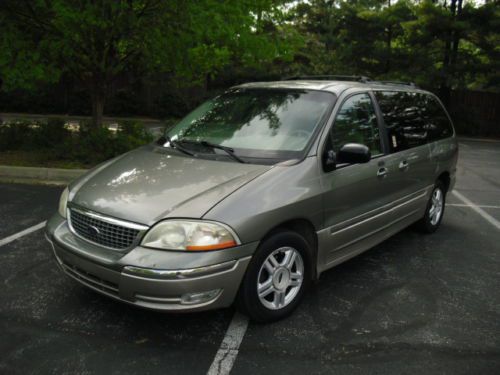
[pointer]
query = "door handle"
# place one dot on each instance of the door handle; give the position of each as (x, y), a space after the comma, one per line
(382, 172)
(404, 165)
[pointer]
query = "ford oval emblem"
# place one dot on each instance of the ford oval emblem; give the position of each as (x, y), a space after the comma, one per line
(93, 231)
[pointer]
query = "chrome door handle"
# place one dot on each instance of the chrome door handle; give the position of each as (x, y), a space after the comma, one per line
(404, 165)
(382, 172)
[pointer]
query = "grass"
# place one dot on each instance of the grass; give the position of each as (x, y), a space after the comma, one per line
(37, 158)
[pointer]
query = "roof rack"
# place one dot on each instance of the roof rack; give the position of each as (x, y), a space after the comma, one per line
(400, 83)
(330, 77)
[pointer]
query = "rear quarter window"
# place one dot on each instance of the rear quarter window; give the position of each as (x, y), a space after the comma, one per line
(436, 120)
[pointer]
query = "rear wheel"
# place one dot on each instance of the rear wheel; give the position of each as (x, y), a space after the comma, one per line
(276, 278)
(435, 209)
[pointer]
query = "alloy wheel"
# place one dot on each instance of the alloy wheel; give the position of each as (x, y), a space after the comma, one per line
(436, 208)
(280, 278)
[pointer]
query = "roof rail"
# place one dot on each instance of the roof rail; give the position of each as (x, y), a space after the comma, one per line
(330, 77)
(411, 84)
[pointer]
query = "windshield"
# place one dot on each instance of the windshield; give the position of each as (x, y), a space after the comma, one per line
(256, 123)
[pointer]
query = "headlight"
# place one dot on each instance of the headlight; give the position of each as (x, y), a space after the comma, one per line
(190, 235)
(63, 202)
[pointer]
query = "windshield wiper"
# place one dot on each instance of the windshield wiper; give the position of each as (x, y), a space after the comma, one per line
(227, 150)
(176, 145)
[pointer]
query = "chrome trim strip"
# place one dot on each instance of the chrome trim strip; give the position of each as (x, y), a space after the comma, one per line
(388, 211)
(181, 273)
(150, 299)
(372, 232)
(108, 219)
(372, 214)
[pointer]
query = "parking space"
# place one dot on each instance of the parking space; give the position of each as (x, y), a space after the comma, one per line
(22, 206)
(479, 175)
(55, 326)
(413, 304)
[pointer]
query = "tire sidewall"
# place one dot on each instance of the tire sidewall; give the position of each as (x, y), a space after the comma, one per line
(248, 292)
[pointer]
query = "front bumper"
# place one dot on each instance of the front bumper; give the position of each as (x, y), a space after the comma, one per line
(153, 279)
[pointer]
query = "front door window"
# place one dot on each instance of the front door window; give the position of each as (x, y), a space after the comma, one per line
(356, 122)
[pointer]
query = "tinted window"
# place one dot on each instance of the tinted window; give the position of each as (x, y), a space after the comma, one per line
(436, 121)
(403, 118)
(356, 122)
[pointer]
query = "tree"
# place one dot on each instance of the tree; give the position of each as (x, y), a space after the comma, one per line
(97, 41)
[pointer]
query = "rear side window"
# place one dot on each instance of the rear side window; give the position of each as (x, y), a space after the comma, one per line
(412, 119)
(356, 122)
(403, 118)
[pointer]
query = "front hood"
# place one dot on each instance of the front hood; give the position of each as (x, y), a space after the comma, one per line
(149, 184)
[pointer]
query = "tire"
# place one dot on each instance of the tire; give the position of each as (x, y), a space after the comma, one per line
(280, 281)
(432, 218)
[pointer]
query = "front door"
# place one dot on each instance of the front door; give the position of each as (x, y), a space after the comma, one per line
(357, 197)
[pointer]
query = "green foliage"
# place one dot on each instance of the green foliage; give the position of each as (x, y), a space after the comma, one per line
(88, 146)
(162, 58)
(50, 134)
(96, 42)
(402, 40)
(14, 136)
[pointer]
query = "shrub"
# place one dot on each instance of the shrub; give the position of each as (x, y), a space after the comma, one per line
(16, 135)
(87, 146)
(50, 134)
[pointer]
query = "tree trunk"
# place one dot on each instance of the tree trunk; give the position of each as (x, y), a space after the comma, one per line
(98, 99)
(388, 45)
(456, 40)
(444, 90)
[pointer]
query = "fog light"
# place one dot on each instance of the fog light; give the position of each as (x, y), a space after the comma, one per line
(199, 297)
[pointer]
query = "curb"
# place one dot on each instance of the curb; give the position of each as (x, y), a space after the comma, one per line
(474, 139)
(34, 175)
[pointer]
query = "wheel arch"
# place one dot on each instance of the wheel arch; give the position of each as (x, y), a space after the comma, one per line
(445, 178)
(304, 228)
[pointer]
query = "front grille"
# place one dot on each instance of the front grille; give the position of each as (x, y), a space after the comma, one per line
(102, 232)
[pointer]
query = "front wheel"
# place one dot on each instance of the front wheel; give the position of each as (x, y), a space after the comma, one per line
(276, 278)
(435, 209)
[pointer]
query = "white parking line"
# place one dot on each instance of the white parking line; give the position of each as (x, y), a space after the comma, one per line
(228, 350)
(466, 205)
(22, 233)
(479, 210)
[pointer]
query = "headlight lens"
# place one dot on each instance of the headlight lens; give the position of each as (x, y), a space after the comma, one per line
(190, 236)
(63, 202)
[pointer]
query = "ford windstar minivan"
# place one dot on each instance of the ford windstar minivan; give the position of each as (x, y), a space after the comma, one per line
(255, 193)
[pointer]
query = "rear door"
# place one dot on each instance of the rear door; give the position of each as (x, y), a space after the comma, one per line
(408, 134)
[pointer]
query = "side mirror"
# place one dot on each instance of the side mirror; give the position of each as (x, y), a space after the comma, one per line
(353, 153)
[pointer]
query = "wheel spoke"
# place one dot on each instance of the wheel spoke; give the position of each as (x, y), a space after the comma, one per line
(295, 279)
(273, 261)
(290, 261)
(265, 288)
(286, 258)
(271, 264)
(279, 298)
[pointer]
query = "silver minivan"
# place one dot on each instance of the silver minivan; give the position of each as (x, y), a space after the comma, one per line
(255, 193)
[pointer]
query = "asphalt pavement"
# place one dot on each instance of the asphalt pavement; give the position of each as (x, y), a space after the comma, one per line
(415, 304)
